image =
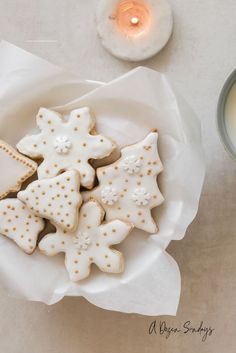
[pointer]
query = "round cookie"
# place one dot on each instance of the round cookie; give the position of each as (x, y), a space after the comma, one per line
(89, 244)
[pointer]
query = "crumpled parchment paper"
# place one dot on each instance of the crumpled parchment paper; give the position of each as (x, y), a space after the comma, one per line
(126, 109)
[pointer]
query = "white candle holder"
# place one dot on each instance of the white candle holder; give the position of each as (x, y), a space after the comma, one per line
(134, 30)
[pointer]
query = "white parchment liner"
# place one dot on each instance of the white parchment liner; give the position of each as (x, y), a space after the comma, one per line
(126, 109)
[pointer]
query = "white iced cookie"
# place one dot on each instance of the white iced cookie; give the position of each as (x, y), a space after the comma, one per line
(66, 145)
(128, 188)
(15, 169)
(56, 199)
(19, 225)
(89, 244)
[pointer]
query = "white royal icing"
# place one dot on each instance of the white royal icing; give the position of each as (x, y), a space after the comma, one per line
(132, 164)
(15, 169)
(57, 199)
(62, 145)
(109, 195)
(90, 243)
(18, 224)
(141, 197)
(66, 144)
(135, 184)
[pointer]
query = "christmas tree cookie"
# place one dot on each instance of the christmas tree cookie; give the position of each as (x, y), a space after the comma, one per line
(56, 199)
(128, 188)
(18, 224)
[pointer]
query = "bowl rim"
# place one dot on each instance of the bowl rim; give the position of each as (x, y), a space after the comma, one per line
(220, 116)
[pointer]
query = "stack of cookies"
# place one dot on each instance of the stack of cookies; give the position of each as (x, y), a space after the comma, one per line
(89, 219)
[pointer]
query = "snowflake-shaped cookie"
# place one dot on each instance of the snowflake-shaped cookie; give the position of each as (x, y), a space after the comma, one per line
(132, 181)
(57, 199)
(89, 244)
(66, 145)
(19, 225)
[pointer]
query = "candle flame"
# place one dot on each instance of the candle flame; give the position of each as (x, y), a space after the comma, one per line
(133, 17)
(134, 20)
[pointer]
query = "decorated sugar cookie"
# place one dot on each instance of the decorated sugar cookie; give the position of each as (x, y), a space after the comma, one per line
(128, 188)
(15, 169)
(18, 224)
(91, 243)
(66, 145)
(57, 199)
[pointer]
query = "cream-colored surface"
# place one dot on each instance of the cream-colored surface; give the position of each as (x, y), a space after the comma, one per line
(198, 58)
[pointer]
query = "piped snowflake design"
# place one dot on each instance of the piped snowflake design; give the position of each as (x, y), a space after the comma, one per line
(109, 195)
(78, 258)
(141, 197)
(133, 204)
(62, 145)
(132, 164)
(66, 144)
(82, 241)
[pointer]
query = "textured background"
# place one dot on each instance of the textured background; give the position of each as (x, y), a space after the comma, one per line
(201, 53)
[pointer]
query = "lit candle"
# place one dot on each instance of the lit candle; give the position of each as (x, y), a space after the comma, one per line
(134, 30)
(133, 18)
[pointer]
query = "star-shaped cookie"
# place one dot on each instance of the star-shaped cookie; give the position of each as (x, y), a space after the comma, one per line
(66, 144)
(128, 188)
(89, 244)
(56, 199)
(15, 169)
(19, 225)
